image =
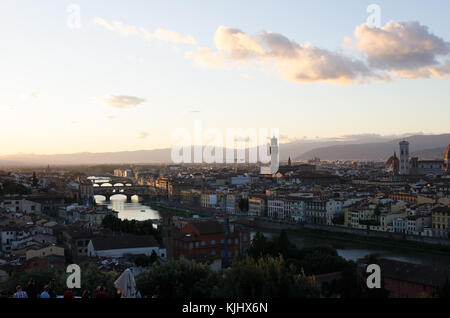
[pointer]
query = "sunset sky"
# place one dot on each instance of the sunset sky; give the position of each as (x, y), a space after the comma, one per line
(133, 71)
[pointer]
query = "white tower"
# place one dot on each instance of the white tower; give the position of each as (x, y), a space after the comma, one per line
(274, 156)
(404, 157)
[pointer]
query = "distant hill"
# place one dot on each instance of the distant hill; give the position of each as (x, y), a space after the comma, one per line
(362, 147)
(430, 145)
(435, 153)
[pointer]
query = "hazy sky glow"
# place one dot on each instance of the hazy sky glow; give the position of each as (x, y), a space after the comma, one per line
(136, 70)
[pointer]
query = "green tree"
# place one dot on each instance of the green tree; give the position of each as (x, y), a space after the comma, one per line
(177, 279)
(265, 277)
(34, 180)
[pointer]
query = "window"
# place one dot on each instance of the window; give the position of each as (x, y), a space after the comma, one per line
(203, 243)
(213, 242)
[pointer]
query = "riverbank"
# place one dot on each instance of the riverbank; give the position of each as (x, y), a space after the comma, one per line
(375, 242)
(176, 211)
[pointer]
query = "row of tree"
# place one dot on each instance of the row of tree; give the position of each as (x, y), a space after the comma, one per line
(131, 226)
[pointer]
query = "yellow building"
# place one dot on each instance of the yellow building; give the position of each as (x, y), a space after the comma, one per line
(440, 221)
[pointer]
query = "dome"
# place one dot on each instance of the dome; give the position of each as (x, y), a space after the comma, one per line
(447, 154)
(393, 160)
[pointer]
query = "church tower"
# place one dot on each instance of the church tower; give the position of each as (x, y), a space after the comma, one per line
(274, 156)
(404, 157)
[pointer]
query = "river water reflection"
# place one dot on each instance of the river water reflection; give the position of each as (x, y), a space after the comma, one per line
(128, 210)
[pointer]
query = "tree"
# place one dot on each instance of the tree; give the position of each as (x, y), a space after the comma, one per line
(177, 279)
(243, 204)
(443, 291)
(265, 277)
(259, 246)
(283, 243)
(34, 180)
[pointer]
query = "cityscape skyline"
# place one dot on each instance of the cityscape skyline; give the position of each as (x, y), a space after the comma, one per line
(231, 68)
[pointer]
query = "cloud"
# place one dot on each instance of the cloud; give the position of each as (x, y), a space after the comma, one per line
(29, 95)
(246, 76)
(404, 49)
(122, 102)
(294, 62)
(160, 34)
(168, 36)
(398, 50)
(237, 44)
(206, 57)
(143, 135)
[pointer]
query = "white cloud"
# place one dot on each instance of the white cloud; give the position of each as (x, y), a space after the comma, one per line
(294, 62)
(160, 34)
(122, 102)
(206, 57)
(143, 135)
(405, 49)
(29, 95)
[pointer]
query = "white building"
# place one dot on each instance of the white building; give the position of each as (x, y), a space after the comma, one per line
(274, 158)
(21, 206)
(120, 246)
(276, 208)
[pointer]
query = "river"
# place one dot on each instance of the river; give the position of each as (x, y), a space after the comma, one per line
(356, 250)
(128, 210)
(134, 210)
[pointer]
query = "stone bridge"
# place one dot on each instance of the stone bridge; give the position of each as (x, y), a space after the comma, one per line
(128, 191)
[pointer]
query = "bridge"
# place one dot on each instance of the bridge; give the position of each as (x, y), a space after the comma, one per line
(108, 190)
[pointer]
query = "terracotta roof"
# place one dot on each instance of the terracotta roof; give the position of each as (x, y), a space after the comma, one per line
(208, 227)
(415, 273)
(121, 242)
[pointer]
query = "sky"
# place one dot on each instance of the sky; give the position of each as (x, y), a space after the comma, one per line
(100, 76)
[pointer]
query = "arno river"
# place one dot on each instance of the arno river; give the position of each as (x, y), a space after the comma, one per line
(348, 250)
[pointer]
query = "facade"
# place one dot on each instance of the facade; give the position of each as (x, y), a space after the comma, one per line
(447, 159)
(406, 280)
(316, 212)
(208, 199)
(441, 221)
(256, 206)
(119, 246)
(404, 158)
(276, 208)
(45, 251)
(21, 206)
(207, 239)
(297, 209)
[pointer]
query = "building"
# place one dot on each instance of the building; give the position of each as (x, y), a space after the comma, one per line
(447, 159)
(45, 251)
(207, 239)
(276, 208)
(21, 205)
(256, 206)
(406, 280)
(119, 246)
(208, 199)
(440, 221)
(274, 158)
(404, 158)
(393, 165)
